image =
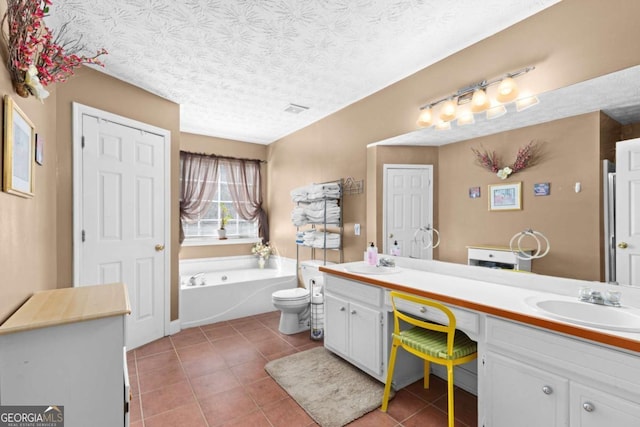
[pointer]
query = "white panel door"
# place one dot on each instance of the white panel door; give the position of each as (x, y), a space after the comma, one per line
(123, 220)
(408, 207)
(628, 212)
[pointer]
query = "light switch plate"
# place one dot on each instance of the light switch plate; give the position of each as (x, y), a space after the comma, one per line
(356, 229)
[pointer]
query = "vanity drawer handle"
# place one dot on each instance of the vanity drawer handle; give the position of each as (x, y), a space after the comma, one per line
(341, 308)
(588, 406)
(353, 312)
(547, 390)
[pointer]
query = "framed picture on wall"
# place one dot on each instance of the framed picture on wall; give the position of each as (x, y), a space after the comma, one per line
(19, 147)
(505, 197)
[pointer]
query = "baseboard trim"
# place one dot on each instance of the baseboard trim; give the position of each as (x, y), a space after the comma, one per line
(174, 327)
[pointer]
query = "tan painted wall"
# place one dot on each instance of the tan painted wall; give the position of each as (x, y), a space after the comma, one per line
(565, 50)
(570, 220)
(222, 147)
(28, 226)
(97, 90)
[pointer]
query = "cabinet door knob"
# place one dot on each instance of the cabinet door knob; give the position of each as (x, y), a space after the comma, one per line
(623, 245)
(547, 390)
(423, 309)
(490, 255)
(588, 406)
(159, 248)
(341, 308)
(353, 312)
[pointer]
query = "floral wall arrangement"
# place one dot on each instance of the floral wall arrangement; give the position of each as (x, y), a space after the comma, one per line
(527, 156)
(36, 58)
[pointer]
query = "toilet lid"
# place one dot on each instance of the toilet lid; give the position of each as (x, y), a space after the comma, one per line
(291, 294)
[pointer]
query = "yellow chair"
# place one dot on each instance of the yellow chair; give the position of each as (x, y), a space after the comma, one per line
(441, 344)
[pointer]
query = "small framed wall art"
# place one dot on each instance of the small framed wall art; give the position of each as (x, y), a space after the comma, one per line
(19, 148)
(542, 189)
(39, 149)
(505, 197)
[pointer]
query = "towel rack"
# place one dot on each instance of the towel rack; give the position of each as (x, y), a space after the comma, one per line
(541, 249)
(352, 186)
(425, 235)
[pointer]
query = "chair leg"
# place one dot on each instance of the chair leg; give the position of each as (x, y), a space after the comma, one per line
(387, 387)
(450, 395)
(427, 372)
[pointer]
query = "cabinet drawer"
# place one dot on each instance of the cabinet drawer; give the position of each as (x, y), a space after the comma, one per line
(492, 255)
(466, 321)
(354, 291)
(581, 358)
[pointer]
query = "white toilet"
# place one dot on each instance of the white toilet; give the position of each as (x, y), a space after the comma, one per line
(294, 303)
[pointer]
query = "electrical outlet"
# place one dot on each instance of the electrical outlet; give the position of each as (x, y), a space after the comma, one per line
(356, 229)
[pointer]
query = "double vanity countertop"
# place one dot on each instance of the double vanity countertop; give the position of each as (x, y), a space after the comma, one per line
(505, 294)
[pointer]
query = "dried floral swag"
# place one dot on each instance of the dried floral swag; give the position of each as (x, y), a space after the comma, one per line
(527, 156)
(34, 57)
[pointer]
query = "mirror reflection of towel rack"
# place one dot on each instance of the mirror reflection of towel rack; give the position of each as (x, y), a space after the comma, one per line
(540, 249)
(425, 236)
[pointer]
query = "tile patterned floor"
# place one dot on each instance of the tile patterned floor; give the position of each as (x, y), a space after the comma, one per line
(214, 376)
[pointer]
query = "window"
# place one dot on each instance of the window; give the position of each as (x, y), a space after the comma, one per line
(207, 224)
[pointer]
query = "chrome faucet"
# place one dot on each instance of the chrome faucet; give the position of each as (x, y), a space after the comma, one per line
(611, 298)
(192, 279)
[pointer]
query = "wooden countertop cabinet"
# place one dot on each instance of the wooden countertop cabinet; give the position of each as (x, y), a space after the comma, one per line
(65, 347)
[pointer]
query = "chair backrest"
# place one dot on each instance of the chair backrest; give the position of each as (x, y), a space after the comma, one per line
(449, 329)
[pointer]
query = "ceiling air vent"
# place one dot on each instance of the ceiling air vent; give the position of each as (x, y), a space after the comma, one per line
(295, 109)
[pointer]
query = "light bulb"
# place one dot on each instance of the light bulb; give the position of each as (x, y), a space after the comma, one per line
(507, 90)
(442, 125)
(448, 111)
(425, 119)
(480, 101)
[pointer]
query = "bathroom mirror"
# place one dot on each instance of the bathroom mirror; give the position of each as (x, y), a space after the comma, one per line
(576, 137)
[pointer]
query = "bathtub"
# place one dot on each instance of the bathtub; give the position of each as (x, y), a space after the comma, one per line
(230, 287)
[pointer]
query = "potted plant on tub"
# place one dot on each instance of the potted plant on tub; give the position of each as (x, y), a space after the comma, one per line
(224, 219)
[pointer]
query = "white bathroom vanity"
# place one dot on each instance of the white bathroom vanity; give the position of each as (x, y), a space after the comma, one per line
(563, 367)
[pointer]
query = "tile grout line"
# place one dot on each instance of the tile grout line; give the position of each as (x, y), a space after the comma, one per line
(193, 392)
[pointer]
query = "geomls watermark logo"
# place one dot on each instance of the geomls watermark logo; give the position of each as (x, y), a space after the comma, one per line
(31, 416)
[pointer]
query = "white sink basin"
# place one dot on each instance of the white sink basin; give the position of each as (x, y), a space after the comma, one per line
(597, 316)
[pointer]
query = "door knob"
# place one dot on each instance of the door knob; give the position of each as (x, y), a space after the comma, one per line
(623, 245)
(391, 235)
(159, 248)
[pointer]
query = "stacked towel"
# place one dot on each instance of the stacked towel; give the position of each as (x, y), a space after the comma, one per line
(316, 239)
(315, 212)
(298, 217)
(300, 194)
(316, 192)
(321, 191)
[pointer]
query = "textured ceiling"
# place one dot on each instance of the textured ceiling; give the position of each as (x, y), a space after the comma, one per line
(234, 66)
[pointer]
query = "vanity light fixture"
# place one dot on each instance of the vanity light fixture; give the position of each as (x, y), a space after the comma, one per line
(474, 99)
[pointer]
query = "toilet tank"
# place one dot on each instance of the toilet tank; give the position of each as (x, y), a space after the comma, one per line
(309, 270)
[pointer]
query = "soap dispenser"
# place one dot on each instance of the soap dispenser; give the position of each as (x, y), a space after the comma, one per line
(395, 249)
(372, 254)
